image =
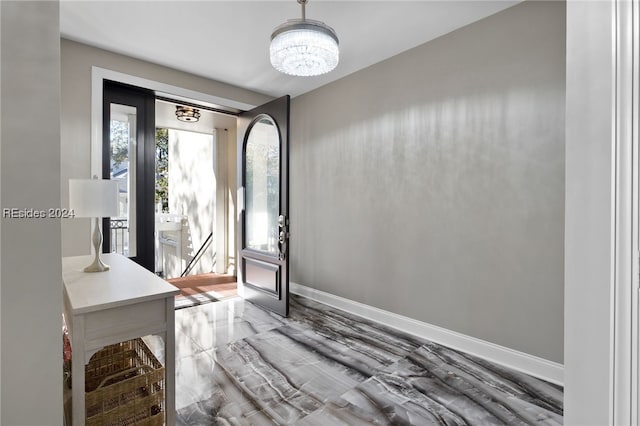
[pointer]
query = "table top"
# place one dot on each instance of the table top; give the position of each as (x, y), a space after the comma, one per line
(125, 283)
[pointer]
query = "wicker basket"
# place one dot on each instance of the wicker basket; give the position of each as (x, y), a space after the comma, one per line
(124, 385)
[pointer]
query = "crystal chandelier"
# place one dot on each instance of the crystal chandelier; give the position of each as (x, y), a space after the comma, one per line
(304, 47)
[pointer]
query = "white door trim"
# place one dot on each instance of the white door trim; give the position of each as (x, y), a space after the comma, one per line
(601, 214)
(624, 377)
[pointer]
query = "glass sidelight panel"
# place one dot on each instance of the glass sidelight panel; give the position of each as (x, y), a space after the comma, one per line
(262, 186)
(123, 127)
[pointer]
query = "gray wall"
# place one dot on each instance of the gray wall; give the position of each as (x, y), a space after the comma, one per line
(31, 291)
(432, 184)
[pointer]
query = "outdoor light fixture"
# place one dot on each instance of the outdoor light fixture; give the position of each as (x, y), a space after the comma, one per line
(304, 47)
(185, 113)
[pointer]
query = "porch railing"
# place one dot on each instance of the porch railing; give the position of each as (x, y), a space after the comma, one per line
(120, 236)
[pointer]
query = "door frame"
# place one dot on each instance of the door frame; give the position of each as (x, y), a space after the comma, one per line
(602, 220)
(144, 102)
(98, 75)
(626, 300)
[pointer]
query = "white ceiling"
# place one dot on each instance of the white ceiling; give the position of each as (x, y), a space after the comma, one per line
(228, 41)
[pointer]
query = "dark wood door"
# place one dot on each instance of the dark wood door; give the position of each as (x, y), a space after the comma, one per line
(263, 237)
(128, 156)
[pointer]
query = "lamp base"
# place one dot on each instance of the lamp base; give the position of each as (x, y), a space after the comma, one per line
(98, 265)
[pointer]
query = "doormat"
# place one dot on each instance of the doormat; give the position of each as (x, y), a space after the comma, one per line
(203, 288)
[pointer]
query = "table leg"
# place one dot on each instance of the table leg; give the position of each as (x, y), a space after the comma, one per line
(170, 363)
(78, 362)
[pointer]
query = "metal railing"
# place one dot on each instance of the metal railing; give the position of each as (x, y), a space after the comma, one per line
(196, 258)
(120, 236)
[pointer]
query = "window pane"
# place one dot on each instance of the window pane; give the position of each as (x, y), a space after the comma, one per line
(123, 163)
(262, 181)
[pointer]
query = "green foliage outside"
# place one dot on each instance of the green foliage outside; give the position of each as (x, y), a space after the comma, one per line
(119, 143)
(162, 169)
(120, 156)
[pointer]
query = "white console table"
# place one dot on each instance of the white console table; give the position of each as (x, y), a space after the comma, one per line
(103, 308)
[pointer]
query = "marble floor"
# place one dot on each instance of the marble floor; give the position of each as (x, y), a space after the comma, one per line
(240, 365)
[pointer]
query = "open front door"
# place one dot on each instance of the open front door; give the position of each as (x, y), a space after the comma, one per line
(263, 198)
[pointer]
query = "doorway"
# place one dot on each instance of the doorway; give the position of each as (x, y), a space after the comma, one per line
(192, 204)
(227, 195)
(174, 179)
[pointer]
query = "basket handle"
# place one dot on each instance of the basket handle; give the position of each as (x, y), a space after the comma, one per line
(123, 372)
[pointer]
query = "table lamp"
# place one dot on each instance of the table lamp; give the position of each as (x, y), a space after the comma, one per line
(96, 198)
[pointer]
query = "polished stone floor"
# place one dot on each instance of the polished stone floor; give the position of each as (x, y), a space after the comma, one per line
(239, 365)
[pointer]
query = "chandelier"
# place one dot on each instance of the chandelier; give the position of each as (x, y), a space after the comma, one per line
(304, 47)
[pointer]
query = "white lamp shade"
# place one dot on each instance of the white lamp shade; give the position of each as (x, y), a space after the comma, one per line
(93, 197)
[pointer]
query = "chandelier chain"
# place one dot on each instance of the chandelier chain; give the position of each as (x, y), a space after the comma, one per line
(303, 3)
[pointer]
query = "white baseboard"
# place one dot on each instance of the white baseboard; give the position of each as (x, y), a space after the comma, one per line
(533, 365)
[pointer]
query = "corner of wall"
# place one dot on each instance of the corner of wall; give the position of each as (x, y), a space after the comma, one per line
(31, 270)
